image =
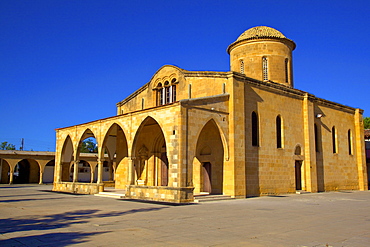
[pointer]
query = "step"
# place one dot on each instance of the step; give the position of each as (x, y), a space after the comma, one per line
(111, 195)
(210, 198)
(302, 192)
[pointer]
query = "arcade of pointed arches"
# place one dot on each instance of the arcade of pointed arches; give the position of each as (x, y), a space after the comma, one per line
(144, 160)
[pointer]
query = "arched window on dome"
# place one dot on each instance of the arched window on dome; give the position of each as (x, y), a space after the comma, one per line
(242, 66)
(286, 70)
(265, 68)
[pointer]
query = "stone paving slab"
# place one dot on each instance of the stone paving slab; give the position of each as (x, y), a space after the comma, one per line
(32, 215)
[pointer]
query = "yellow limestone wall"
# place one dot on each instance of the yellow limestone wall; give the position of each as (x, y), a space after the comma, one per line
(216, 107)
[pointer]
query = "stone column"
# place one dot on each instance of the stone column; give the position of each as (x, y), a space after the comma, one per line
(11, 175)
(110, 166)
(100, 171)
(131, 171)
(41, 175)
(92, 174)
(75, 171)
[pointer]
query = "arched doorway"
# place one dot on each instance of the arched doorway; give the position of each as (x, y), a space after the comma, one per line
(208, 174)
(151, 162)
(26, 171)
(299, 182)
(48, 175)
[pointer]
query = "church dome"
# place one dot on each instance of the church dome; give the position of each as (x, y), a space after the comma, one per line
(261, 32)
(258, 33)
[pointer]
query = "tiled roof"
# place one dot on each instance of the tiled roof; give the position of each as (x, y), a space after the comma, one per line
(261, 32)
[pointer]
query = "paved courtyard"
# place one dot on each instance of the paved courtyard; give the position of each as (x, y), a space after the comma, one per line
(32, 215)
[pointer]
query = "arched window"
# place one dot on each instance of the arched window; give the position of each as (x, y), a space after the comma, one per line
(279, 134)
(242, 66)
(173, 87)
(255, 129)
(334, 139)
(265, 69)
(298, 150)
(159, 89)
(349, 142)
(316, 138)
(167, 93)
(286, 70)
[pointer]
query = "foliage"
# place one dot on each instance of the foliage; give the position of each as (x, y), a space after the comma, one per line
(367, 122)
(7, 146)
(89, 146)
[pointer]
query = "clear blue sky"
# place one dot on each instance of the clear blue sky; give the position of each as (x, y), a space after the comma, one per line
(64, 63)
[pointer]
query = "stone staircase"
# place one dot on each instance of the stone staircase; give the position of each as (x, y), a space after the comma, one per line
(112, 193)
(211, 198)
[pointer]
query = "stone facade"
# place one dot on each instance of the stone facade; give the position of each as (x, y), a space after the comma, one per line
(246, 132)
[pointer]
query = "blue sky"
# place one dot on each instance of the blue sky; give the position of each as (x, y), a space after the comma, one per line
(64, 63)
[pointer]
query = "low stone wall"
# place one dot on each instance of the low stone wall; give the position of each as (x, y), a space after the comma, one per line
(78, 188)
(109, 184)
(160, 193)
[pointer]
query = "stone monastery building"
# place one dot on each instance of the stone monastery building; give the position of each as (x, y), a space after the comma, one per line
(245, 132)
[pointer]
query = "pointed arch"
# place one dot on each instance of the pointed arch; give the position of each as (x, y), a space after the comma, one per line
(88, 133)
(222, 135)
(210, 154)
(67, 156)
(149, 150)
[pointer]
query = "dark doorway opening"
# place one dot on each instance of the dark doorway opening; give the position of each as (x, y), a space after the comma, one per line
(22, 172)
(298, 174)
(164, 169)
(207, 177)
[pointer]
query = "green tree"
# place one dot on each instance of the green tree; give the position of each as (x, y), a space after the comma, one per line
(7, 146)
(366, 122)
(89, 146)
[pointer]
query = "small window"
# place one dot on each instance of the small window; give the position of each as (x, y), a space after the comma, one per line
(334, 140)
(254, 129)
(242, 66)
(279, 143)
(350, 142)
(265, 69)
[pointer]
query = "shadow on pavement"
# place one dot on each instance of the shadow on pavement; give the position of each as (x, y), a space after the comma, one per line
(50, 239)
(58, 221)
(24, 200)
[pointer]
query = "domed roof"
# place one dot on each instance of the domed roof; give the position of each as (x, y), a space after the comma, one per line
(261, 32)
